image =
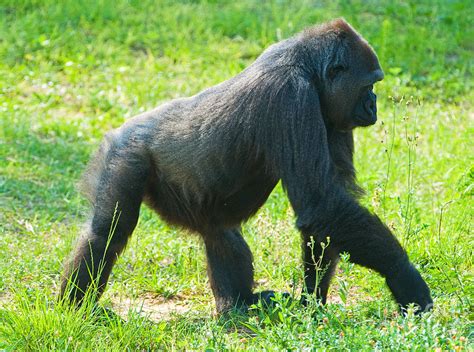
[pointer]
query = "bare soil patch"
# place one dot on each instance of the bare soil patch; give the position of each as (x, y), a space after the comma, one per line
(155, 308)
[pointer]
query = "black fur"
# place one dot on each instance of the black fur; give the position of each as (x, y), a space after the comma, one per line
(209, 162)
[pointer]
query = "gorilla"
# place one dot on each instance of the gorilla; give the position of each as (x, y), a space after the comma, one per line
(207, 163)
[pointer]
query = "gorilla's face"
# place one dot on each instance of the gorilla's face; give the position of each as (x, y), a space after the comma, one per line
(348, 100)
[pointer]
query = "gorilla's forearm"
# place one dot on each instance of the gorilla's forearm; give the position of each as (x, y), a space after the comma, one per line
(353, 229)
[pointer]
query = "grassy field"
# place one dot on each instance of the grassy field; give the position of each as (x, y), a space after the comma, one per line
(71, 70)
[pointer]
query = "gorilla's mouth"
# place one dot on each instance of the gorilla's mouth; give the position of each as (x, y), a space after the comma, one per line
(364, 121)
(366, 112)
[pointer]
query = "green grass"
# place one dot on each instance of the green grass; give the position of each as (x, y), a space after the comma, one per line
(71, 70)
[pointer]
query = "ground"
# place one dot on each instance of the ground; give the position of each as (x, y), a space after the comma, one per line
(70, 71)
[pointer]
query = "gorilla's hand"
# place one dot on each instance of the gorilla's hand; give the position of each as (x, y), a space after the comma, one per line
(408, 287)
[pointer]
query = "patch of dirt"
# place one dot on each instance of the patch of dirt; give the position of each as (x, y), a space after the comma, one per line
(354, 296)
(155, 308)
(5, 299)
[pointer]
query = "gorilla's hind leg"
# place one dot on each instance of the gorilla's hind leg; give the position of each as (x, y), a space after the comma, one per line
(230, 269)
(120, 187)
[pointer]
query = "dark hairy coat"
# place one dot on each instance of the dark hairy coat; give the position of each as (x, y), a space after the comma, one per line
(209, 162)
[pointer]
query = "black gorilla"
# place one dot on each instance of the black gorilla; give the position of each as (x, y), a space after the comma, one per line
(209, 162)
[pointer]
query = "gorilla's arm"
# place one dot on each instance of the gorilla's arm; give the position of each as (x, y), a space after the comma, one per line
(326, 208)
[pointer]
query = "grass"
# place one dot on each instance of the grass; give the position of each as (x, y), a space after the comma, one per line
(70, 71)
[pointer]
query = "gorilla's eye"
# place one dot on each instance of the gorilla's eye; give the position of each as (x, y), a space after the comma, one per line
(335, 71)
